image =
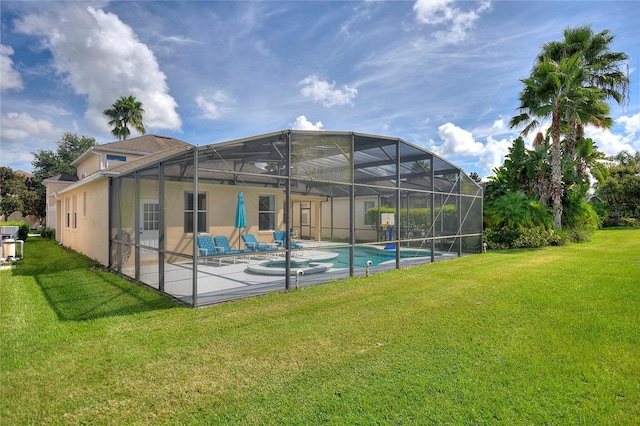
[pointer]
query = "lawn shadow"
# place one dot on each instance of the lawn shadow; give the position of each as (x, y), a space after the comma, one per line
(77, 289)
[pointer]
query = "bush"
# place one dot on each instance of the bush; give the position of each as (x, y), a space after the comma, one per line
(629, 221)
(576, 235)
(536, 236)
(48, 233)
(23, 231)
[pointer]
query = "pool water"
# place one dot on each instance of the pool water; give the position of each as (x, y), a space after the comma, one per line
(375, 255)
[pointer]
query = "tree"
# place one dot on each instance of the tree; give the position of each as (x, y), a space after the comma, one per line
(49, 163)
(12, 192)
(475, 177)
(569, 84)
(620, 191)
(125, 112)
(602, 68)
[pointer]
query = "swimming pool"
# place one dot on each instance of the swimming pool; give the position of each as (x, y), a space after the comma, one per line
(376, 255)
(323, 260)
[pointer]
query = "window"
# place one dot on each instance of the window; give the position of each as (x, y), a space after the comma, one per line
(369, 219)
(84, 204)
(75, 211)
(151, 217)
(112, 157)
(267, 212)
(201, 210)
(67, 210)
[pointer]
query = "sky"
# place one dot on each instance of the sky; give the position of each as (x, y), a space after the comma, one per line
(440, 74)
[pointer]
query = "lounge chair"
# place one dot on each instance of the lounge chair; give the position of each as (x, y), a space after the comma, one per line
(221, 244)
(208, 248)
(255, 246)
(280, 237)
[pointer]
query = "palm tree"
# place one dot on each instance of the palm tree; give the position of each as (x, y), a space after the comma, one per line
(552, 89)
(570, 83)
(603, 70)
(125, 112)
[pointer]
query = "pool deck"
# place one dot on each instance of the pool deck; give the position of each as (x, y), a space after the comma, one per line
(225, 281)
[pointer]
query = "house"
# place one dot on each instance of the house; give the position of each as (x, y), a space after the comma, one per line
(138, 204)
(77, 206)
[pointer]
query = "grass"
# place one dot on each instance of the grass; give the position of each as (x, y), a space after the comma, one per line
(545, 336)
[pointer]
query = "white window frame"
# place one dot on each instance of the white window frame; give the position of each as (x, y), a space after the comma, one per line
(271, 212)
(202, 224)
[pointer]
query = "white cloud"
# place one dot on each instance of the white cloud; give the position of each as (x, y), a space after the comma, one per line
(10, 78)
(610, 143)
(213, 107)
(458, 141)
(631, 124)
(302, 123)
(17, 127)
(492, 155)
(325, 92)
(445, 13)
(22, 134)
(102, 58)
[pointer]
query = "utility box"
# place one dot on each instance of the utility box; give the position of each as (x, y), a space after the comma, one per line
(9, 248)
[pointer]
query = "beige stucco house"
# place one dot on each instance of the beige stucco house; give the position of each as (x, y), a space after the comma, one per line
(137, 206)
(78, 207)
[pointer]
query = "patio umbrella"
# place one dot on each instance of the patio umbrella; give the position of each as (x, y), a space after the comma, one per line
(241, 216)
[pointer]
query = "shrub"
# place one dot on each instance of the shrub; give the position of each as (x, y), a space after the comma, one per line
(48, 233)
(629, 221)
(536, 236)
(514, 210)
(23, 231)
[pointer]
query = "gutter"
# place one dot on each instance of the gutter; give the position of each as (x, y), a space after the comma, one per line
(89, 179)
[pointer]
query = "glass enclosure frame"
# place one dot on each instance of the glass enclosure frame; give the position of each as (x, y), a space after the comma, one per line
(342, 194)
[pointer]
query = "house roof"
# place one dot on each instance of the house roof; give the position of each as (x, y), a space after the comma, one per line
(150, 159)
(64, 177)
(147, 143)
(142, 145)
(23, 174)
(130, 165)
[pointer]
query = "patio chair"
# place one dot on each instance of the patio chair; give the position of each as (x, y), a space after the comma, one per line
(255, 246)
(207, 249)
(280, 238)
(221, 245)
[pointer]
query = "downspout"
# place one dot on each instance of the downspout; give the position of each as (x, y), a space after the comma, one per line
(100, 164)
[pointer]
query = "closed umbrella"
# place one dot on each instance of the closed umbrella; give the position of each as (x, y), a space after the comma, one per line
(241, 216)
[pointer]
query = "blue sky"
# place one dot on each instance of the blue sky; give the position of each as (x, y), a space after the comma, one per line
(440, 74)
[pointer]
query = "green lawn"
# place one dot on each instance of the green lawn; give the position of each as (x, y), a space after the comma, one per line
(546, 336)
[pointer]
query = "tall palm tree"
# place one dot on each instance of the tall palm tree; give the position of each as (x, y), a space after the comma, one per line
(125, 112)
(570, 84)
(602, 70)
(552, 89)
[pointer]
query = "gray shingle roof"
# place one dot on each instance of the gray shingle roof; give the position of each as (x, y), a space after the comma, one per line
(147, 143)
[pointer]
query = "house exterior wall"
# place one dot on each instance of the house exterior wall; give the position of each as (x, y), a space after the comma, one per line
(52, 211)
(84, 220)
(98, 161)
(221, 213)
(89, 166)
